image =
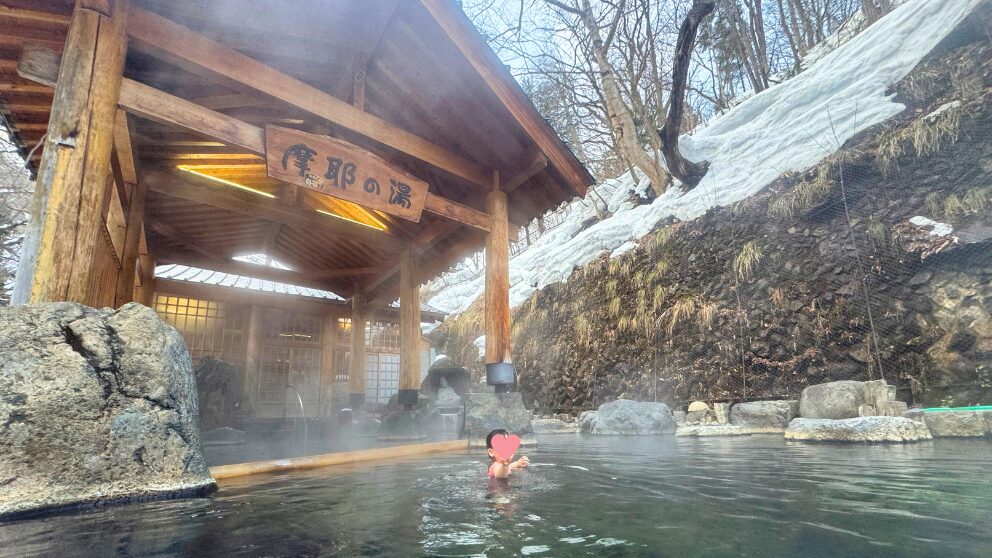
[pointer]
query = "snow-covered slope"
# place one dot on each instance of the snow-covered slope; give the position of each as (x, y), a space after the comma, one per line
(790, 127)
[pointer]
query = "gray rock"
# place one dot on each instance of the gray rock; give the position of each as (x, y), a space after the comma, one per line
(624, 416)
(832, 400)
(955, 424)
(586, 419)
(554, 426)
(406, 425)
(485, 412)
(679, 417)
(776, 414)
(859, 429)
(725, 430)
(96, 406)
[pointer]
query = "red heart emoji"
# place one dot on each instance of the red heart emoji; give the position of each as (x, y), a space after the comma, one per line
(506, 446)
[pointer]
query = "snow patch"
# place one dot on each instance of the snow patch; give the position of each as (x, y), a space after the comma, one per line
(938, 228)
(790, 127)
(480, 343)
(942, 109)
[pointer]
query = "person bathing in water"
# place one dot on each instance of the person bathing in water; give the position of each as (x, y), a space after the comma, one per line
(500, 466)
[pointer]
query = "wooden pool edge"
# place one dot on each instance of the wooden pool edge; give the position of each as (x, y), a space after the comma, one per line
(222, 472)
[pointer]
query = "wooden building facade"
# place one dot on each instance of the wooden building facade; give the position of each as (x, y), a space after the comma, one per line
(369, 144)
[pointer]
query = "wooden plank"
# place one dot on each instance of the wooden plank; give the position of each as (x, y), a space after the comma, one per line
(176, 44)
(409, 328)
(467, 39)
(336, 168)
(497, 281)
(132, 238)
(537, 164)
(223, 472)
(57, 261)
(356, 371)
(201, 190)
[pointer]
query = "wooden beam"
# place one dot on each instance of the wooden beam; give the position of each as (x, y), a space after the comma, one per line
(176, 44)
(340, 272)
(409, 330)
(202, 190)
(24, 14)
(497, 282)
(537, 164)
(356, 370)
(134, 224)
(222, 472)
(65, 229)
(467, 39)
(168, 231)
(457, 212)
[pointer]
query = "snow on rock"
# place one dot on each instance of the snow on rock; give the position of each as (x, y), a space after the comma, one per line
(936, 227)
(790, 127)
(480, 343)
(942, 109)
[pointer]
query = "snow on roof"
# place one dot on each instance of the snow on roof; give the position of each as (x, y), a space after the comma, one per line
(189, 274)
(790, 127)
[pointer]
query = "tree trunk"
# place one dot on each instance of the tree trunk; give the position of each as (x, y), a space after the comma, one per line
(621, 120)
(686, 171)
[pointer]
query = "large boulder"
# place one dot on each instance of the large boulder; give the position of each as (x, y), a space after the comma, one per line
(443, 372)
(764, 414)
(832, 400)
(955, 424)
(95, 406)
(849, 399)
(485, 412)
(859, 429)
(624, 416)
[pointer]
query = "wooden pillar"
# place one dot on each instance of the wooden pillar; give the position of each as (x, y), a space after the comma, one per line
(499, 371)
(329, 340)
(409, 331)
(57, 261)
(253, 358)
(356, 373)
(132, 243)
(145, 292)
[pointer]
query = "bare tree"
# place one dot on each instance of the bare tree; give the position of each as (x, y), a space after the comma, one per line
(16, 190)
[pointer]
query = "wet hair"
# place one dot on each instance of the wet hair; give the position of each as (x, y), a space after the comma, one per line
(489, 438)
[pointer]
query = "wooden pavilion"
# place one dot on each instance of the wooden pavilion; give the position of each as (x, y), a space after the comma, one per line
(368, 144)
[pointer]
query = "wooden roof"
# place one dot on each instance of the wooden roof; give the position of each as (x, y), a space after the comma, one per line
(443, 107)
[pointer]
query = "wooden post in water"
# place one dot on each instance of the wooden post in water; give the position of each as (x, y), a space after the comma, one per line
(409, 331)
(356, 373)
(64, 232)
(329, 340)
(253, 358)
(499, 370)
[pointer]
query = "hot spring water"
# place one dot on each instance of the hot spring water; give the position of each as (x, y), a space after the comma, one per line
(583, 496)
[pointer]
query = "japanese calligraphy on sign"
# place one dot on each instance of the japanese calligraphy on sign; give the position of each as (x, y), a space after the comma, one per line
(342, 170)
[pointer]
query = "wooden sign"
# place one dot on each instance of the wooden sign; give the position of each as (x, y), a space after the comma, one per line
(339, 169)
